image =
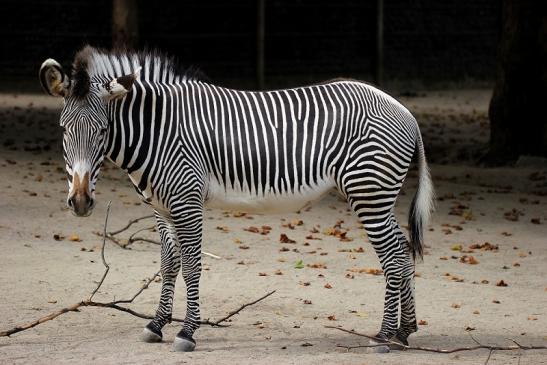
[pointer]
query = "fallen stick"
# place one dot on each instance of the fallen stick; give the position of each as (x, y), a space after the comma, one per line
(134, 238)
(233, 313)
(129, 224)
(437, 350)
(115, 304)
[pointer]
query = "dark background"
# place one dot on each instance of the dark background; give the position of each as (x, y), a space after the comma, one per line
(428, 43)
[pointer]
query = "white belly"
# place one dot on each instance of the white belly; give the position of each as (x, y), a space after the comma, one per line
(244, 201)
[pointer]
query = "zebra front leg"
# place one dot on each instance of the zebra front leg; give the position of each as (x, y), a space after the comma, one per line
(189, 231)
(170, 267)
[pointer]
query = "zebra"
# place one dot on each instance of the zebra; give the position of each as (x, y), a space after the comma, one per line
(186, 142)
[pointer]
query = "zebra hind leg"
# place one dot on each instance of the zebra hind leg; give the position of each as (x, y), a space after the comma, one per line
(170, 267)
(374, 211)
(408, 324)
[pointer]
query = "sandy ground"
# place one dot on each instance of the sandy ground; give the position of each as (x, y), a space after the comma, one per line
(455, 299)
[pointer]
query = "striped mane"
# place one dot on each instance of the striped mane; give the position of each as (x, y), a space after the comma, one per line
(97, 65)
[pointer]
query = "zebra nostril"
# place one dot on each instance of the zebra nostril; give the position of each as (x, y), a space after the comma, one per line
(70, 202)
(90, 203)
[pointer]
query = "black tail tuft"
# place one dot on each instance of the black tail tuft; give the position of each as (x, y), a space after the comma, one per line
(415, 226)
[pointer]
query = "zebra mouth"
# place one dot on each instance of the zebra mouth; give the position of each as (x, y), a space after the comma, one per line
(82, 209)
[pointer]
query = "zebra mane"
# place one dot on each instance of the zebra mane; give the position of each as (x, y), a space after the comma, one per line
(97, 65)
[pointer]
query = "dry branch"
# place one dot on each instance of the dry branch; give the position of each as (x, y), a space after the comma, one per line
(437, 350)
(115, 304)
(134, 238)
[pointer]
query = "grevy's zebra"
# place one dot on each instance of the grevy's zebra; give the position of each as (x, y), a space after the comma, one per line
(185, 142)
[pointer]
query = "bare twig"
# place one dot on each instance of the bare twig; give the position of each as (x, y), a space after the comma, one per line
(106, 266)
(115, 304)
(430, 349)
(131, 238)
(143, 239)
(134, 238)
(488, 358)
(144, 287)
(129, 224)
(233, 313)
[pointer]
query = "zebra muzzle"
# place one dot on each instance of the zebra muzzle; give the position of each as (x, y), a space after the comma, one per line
(80, 200)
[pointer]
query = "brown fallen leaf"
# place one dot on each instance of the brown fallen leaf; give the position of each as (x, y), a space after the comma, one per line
(307, 301)
(262, 274)
(283, 238)
(331, 317)
(469, 328)
(487, 246)
(74, 238)
(224, 229)
(244, 247)
(456, 305)
(535, 221)
(371, 271)
(278, 272)
(513, 215)
(318, 265)
(328, 286)
(476, 311)
(501, 283)
(469, 260)
(422, 322)
(252, 229)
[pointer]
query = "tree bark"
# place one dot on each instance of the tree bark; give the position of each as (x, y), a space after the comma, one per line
(125, 25)
(517, 109)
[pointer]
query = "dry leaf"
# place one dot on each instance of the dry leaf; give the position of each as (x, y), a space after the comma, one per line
(328, 286)
(283, 238)
(469, 260)
(74, 238)
(422, 322)
(501, 283)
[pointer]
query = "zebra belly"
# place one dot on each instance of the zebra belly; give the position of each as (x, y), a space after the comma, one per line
(222, 197)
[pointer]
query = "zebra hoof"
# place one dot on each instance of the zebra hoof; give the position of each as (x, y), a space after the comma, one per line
(150, 335)
(401, 344)
(184, 344)
(380, 346)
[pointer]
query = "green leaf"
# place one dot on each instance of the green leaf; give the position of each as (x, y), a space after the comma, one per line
(299, 264)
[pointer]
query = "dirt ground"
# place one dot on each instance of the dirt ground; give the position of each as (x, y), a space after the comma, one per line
(459, 288)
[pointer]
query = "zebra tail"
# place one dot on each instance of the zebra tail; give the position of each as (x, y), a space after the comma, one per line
(422, 204)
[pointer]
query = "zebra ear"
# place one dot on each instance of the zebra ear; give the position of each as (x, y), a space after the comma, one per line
(53, 79)
(120, 86)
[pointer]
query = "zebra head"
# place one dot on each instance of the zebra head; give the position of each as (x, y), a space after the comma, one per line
(85, 122)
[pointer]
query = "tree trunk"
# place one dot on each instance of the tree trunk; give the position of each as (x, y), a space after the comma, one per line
(125, 25)
(517, 110)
